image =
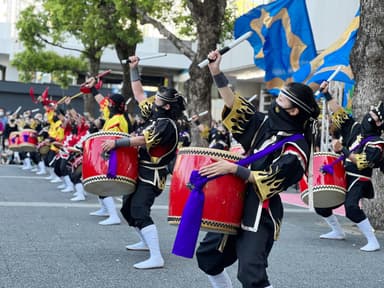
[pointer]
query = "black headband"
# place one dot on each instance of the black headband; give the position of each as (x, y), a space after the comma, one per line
(166, 99)
(293, 98)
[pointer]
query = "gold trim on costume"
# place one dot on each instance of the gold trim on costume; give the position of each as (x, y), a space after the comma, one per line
(267, 184)
(339, 117)
(239, 115)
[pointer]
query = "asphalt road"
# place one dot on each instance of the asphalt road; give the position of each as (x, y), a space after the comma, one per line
(47, 241)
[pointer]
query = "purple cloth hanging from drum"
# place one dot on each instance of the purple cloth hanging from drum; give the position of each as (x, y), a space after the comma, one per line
(112, 164)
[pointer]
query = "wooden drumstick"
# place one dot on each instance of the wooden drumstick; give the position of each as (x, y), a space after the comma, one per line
(146, 57)
(224, 50)
(200, 114)
(72, 97)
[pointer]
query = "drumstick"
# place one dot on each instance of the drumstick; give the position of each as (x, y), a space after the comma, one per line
(35, 110)
(252, 98)
(128, 101)
(72, 97)
(17, 110)
(200, 114)
(146, 57)
(333, 75)
(224, 50)
(102, 74)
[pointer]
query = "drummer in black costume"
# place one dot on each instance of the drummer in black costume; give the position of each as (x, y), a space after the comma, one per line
(157, 147)
(291, 113)
(358, 166)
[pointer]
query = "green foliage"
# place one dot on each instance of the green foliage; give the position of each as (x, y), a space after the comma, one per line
(62, 68)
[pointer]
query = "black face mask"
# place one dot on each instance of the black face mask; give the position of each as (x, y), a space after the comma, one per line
(92, 128)
(368, 127)
(159, 112)
(280, 120)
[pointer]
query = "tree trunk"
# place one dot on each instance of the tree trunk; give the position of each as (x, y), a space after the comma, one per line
(123, 51)
(367, 63)
(89, 100)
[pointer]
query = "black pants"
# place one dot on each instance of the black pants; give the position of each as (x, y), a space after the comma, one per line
(35, 157)
(76, 176)
(61, 167)
(351, 204)
(136, 207)
(49, 158)
(250, 248)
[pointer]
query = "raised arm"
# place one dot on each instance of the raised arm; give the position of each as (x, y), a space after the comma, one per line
(221, 81)
(137, 86)
(332, 102)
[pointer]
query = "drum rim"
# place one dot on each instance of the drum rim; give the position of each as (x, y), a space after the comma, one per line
(204, 152)
(326, 153)
(107, 133)
(209, 225)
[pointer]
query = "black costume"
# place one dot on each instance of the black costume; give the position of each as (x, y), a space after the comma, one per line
(263, 210)
(368, 156)
(161, 137)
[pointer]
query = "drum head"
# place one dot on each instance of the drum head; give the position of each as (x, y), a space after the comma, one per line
(27, 147)
(103, 186)
(325, 197)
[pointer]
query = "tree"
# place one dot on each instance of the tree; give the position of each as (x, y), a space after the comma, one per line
(367, 63)
(60, 20)
(208, 22)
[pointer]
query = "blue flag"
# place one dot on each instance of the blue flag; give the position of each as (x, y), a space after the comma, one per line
(282, 39)
(320, 68)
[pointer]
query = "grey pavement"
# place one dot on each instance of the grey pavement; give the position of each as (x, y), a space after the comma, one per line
(47, 241)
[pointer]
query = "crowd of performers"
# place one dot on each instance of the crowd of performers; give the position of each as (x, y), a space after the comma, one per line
(162, 128)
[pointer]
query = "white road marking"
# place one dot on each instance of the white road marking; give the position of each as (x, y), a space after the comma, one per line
(62, 205)
(24, 177)
(93, 205)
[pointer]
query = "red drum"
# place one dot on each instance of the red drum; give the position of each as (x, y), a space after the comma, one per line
(328, 190)
(28, 140)
(14, 141)
(223, 205)
(96, 165)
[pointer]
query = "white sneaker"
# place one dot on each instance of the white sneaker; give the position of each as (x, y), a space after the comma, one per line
(61, 186)
(111, 221)
(41, 172)
(139, 246)
(78, 198)
(67, 189)
(50, 177)
(371, 247)
(101, 212)
(56, 180)
(333, 235)
(151, 263)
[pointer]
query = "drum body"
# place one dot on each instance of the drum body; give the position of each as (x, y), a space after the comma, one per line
(14, 141)
(96, 164)
(28, 140)
(224, 196)
(328, 189)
